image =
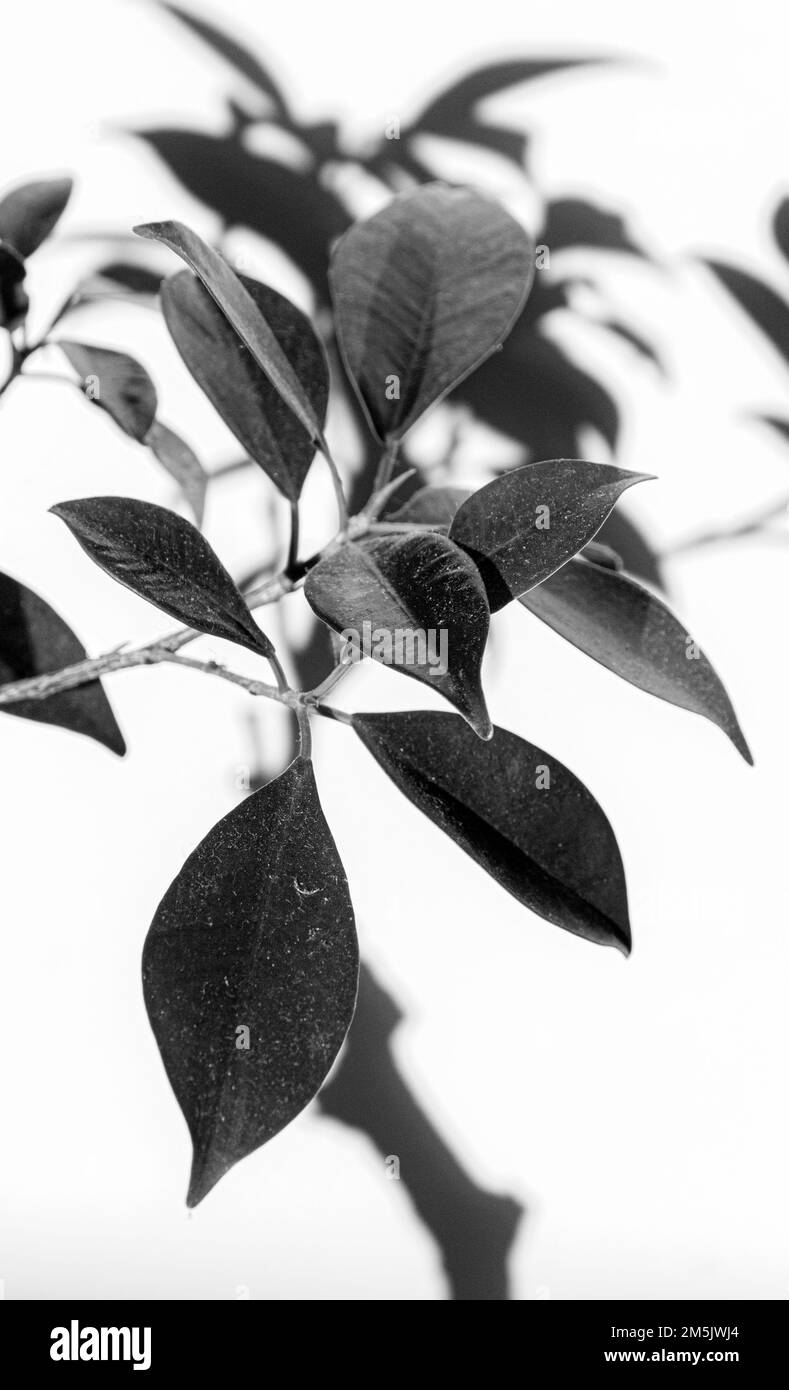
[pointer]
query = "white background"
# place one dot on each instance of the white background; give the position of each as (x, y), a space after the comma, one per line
(637, 1108)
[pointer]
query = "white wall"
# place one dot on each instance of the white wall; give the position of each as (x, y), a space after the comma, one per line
(636, 1107)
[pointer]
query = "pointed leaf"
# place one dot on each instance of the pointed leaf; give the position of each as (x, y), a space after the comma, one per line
(424, 292)
(234, 383)
(526, 524)
(165, 560)
(781, 227)
(767, 309)
(33, 642)
(624, 627)
(457, 101)
(549, 845)
(422, 587)
(29, 213)
(182, 464)
(242, 312)
(234, 53)
(115, 383)
(256, 933)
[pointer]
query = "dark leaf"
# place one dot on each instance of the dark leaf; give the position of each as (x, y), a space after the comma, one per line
(542, 837)
(29, 213)
(182, 464)
(256, 933)
(116, 383)
(522, 526)
(431, 506)
(625, 539)
(635, 340)
(614, 620)
(455, 104)
(165, 560)
(35, 641)
(533, 392)
(781, 227)
(137, 279)
(14, 302)
(418, 585)
(287, 206)
(767, 309)
(240, 309)
(424, 292)
(572, 222)
(241, 393)
(235, 54)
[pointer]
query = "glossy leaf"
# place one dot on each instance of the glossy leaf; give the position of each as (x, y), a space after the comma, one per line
(29, 213)
(424, 292)
(256, 933)
(241, 393)
(767, 309)
(34, 640)
(240, 309)
(116, 383)
(632, 633)
(550, 845)
(182, 463)
(524, 525)
(418, 582)
(164, 559)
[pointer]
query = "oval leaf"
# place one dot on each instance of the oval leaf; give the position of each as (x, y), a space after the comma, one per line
(526, 524)
(182, 463)
(116, 383)
(424, 292)
(242, 312)
(624, 627)
(28, 214)
(234, 383)
(165, 560)
(33, 642)
(256, 933)
(415, 602)
(549, 845)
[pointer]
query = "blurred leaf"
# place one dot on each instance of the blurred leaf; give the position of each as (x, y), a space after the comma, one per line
(174, 454)
(614, 620)
(165, 560)
(29, 213)
(424, 292)
(431, 506)
(767, 309)
(418, 581)
(549, 845)
(524, 525)
(574, 223)
(635, 340)
(137, 279)
(453, 106)
(234, 383)
(33, 642)
(116, 383)
(637, 556)
(240, 309)
(534, 393)
(781, 227)
(603, 555)
(255, 933)
(287, 206)
(235, 54)
(14, 302)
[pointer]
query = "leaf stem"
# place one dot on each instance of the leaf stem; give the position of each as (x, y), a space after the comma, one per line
(339, 490)
(387, 463)
(293, 548)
